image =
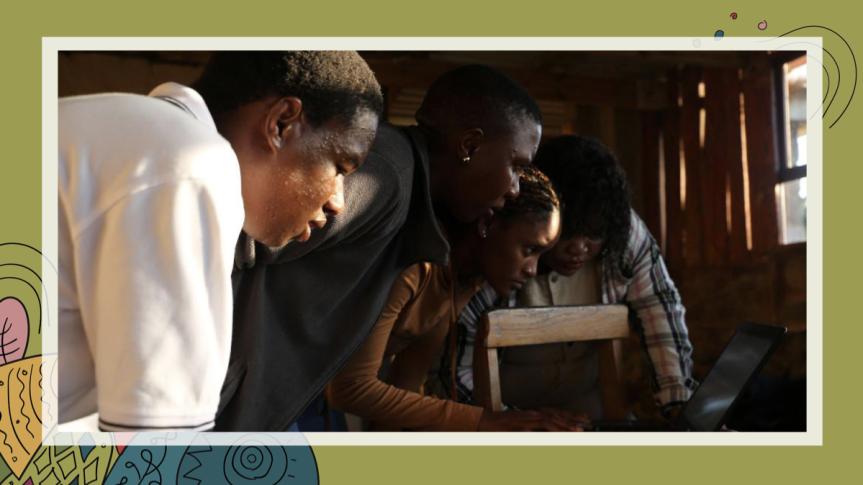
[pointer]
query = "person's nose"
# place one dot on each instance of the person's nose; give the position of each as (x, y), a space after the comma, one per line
(514, 187)
(582, 246)
(336, 203)
(578, 246)
(530, 268)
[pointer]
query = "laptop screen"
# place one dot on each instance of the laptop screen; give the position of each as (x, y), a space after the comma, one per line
(741, 359)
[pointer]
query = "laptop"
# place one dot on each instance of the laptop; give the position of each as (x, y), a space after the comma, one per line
(740, 361)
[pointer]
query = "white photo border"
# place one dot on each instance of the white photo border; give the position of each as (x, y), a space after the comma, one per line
(813, 436)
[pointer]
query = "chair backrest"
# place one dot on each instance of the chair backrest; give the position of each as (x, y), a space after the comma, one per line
(541, 325)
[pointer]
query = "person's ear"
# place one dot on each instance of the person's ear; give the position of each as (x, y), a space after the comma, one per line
(469, 143)
(485, 224)
(284, 120)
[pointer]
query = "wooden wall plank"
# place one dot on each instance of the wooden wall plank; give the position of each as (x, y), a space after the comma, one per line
(671, 144)
(724, 150)
(762, 153)
(650, 180)
(628, 133)
(717, 155)
(695, 195)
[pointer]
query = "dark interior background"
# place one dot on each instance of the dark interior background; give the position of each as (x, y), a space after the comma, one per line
(705, 188)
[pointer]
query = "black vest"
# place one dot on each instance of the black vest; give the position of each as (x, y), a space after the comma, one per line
(300, 311)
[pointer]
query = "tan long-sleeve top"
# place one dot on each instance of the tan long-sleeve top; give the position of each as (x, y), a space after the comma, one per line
(411, 330)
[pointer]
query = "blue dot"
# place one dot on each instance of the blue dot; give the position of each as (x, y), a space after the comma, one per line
(719, 34)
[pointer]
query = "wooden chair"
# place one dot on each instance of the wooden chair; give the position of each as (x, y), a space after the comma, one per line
(541, 325)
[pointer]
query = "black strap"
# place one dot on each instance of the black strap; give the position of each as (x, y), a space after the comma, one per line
(176, 102)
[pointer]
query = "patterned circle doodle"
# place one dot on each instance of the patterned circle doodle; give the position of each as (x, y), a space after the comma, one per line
(719, 34)
(254, 460)
(733, 15)
(762, 25)
(260, 457)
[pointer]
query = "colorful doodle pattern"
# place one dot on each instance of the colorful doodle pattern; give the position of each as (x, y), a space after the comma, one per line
(85, 464)
(253, 458)
(20, 412)
(26, 376)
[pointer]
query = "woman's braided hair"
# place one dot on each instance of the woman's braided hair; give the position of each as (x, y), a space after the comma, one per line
(536, 199)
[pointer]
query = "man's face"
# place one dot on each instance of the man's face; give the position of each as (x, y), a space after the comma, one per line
(569, 255)
(491, 176)
(511, 251)
(304, 185)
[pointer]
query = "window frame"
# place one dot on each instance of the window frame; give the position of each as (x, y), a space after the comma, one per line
(784, 173)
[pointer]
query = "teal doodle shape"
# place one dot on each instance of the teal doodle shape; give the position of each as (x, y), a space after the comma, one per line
(257, 458)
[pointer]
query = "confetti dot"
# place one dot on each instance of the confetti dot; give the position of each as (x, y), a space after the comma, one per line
(733, 15)
(719, 34)
(762, 25)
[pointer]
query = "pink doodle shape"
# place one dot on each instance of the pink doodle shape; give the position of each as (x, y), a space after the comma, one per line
(121, 440)
(733, 15)
(762, 25)
(14, 330)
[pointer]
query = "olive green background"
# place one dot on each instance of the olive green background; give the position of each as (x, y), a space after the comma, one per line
(23, 26)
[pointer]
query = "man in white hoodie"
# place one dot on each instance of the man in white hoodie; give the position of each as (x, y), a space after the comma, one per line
(153, 193)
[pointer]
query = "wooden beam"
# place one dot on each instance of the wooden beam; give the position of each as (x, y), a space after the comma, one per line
(539, 325)
(486, 375)
(419, 73)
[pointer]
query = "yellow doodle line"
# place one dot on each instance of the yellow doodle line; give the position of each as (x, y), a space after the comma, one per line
(55, 465)
(20, 417)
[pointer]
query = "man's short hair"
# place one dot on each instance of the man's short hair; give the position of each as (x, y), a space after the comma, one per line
(330, 84)
(476, 96)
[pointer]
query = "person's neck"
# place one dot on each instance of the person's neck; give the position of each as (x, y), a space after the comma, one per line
(465, 246)
(233, 127)
(227, 126)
